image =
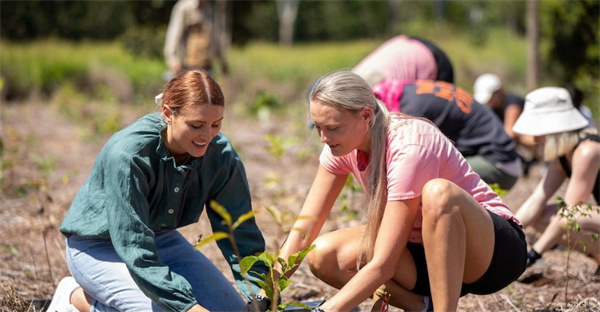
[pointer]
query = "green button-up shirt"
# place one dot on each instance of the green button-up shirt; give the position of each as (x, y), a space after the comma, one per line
(135, 189)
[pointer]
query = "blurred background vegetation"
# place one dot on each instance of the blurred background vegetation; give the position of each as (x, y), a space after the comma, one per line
(111, 51)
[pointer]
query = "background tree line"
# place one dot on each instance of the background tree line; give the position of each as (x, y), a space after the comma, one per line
(252, 20)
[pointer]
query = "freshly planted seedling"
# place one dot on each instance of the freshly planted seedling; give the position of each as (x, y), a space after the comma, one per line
(275, 281)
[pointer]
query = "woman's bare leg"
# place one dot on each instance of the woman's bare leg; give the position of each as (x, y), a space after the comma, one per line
(81, 300)
(555, 233)
(333, 260)
(540, 224)
(458, 235)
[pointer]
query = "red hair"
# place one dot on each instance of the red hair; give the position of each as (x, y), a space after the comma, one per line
(194, 87)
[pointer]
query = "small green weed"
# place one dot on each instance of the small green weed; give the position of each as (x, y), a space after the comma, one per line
(571, 215)
(264, 104)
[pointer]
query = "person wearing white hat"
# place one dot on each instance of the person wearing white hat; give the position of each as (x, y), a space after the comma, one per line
(489, 91)
(572, 150)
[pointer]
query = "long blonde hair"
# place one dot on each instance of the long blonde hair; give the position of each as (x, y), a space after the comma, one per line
(559, 144)
(345, 90)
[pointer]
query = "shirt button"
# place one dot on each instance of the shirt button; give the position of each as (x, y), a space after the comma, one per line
(171, 211)
(176, 190)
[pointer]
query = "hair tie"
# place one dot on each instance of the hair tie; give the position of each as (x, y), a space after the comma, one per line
(158, 99)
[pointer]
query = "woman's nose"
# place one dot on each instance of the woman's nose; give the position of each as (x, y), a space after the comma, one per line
(323, 137)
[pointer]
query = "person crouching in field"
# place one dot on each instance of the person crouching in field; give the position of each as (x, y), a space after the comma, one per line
(572, 149)
(435, 230)
(151, 178)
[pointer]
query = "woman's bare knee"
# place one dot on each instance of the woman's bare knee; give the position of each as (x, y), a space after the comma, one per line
(322, 259)
(436, 197)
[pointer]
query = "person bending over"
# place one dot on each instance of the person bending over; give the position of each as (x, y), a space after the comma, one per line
(572, 149)
(435, 231)
(474, 130)
(151, 178)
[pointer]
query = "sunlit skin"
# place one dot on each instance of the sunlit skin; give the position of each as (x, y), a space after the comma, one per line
(342, 130)
(511, 114)
(537, 212)
(450, 214)
(190, 131)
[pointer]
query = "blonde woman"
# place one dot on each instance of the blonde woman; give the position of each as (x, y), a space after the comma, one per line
(572, 150)
(435, 230)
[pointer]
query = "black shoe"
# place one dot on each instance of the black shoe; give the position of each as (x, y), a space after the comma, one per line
(527, 164)
(532, 257)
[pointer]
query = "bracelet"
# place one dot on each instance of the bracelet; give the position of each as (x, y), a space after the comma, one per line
(318, 308)
(262, 303)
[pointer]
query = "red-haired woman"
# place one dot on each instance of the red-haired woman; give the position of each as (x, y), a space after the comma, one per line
(154, 176)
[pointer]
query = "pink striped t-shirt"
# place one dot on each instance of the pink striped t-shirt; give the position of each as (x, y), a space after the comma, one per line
(418, 152)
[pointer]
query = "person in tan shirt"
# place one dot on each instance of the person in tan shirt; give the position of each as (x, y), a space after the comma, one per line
(191, 39)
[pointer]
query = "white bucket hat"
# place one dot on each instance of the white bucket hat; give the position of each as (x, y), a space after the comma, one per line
(485, 86)
(549, 110)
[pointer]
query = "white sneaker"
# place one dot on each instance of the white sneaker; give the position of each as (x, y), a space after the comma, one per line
(61, 301)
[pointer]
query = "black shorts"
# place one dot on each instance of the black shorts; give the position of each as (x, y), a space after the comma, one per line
(508, 261)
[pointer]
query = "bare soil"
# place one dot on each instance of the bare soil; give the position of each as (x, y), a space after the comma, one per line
(46, 157)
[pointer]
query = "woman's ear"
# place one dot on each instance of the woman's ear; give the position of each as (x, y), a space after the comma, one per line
(167, 113)
(367, 114)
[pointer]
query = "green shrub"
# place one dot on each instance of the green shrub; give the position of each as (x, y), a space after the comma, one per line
(42, 67)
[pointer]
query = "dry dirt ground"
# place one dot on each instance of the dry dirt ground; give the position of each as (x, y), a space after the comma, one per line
(46, 157)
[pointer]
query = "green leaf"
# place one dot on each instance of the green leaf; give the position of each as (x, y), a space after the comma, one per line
(303, 232)
(284, 266)
(243, 218)
(215, 237)
(221, 211)
(275, 214)
(267, 258)
(267, 288)
(282, 306)
(296, 258)
(283, 283)
(246, 264)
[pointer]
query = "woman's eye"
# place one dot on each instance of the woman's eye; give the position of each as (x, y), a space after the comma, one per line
(197, 127)
(216, 125)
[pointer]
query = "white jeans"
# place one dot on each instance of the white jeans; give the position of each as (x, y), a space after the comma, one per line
(102, 274)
